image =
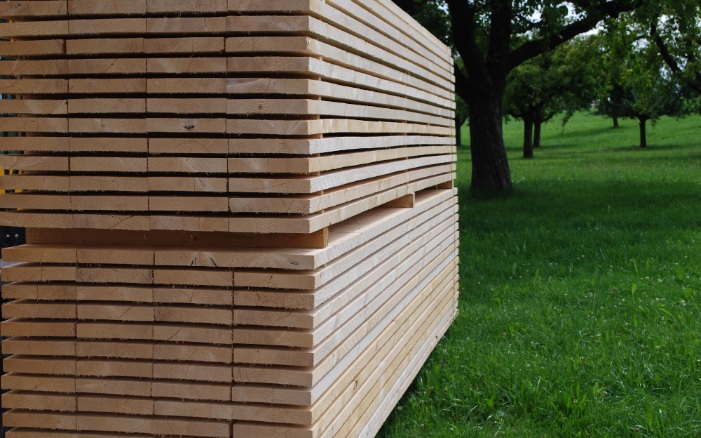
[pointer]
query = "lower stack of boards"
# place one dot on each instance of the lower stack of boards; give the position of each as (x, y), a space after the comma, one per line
(241, 217)
(120, 338)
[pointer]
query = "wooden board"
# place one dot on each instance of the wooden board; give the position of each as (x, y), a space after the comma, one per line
(330, 286)
(304, 45)
(364, 370)
(181, 249)
(240, 215)
(313, 357)
(237, 224)
(350, 315)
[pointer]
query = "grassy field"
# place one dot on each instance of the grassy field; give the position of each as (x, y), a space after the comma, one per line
(580, 294)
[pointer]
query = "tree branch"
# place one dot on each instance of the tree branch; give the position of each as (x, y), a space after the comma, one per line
(671, 62)
(664, 51)
(595, 14)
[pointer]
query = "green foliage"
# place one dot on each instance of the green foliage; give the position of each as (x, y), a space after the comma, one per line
(693, 105)
(433, 15)
(533, 87)
(636, 82)
(580, 295)
(560, 81)
(675, 29)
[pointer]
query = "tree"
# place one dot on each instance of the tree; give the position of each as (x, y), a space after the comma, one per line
(613, 47)
(531, 95)
(644, 88)
(613, 103)
(649, 98)
(675, 29)
(490, 37)
(554, 82)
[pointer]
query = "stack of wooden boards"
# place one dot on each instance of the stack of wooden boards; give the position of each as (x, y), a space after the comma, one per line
(240, 215)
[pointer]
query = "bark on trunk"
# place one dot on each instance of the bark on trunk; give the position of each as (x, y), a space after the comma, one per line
(527, 138)
(536, 133)
(490, 167)
(615, 121)
(643, 133)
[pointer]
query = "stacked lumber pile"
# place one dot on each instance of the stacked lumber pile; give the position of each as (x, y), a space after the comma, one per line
(240, 215)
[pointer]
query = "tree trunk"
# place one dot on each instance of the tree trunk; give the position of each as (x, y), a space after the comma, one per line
(458, 130)
(615, 121)
(490, 167)
(527, 137)
(643, 133)
(538, 124)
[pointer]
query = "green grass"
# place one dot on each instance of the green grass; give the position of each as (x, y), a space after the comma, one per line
(580, 294)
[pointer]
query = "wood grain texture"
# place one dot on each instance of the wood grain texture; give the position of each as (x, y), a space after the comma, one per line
(20, 29)
(305, 45)
(240, 215)
(396, 341)
(254, 392)
(106, 7)
(30, 48)
(193, 203)
(358, 325)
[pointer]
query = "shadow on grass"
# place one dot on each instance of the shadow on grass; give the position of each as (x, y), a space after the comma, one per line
(589, 132)
(656, 148)
(672, 153)
(547, 231)
(558, 203)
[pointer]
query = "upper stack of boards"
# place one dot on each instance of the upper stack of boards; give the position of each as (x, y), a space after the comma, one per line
(240, 215)
(218, 115)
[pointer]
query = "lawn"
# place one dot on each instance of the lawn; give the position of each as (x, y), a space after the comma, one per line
(580, 293)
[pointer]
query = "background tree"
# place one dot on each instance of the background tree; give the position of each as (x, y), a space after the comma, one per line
(555, 82)
(491, 38)
(613, 103)
(611, 47)
(649, 96)
(532, 96)
(675, 29)
(643, 88)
